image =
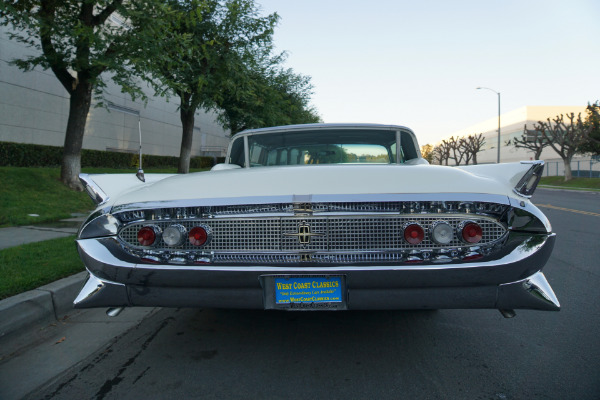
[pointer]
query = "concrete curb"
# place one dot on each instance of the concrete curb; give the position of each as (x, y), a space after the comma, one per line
(42, 305)
(568, 189)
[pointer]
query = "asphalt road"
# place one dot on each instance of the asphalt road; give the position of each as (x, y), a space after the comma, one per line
(448, 354)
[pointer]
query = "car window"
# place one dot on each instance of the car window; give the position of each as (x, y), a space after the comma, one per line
(322, 147)
(321, 154)
(236, 155)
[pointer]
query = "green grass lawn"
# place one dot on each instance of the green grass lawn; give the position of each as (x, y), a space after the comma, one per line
(38, 191)
(575, 183)
(29, 266)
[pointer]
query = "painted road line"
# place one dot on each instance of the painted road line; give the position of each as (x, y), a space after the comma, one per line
(569, 210)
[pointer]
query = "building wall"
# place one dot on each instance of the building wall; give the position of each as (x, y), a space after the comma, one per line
(34, 108)
(512, 126)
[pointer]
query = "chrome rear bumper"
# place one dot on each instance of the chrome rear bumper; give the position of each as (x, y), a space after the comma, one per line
(513, 280)
(531, 293)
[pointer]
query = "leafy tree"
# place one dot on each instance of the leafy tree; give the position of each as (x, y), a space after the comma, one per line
(271, 96)
(211, 42)
(565, 134)
(427, 152)
(531, 140)
(82, 46)
(592, 121)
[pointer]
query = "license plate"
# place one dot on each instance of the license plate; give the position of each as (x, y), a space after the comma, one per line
(305, 292)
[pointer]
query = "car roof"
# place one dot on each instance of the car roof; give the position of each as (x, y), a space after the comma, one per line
(291, 129)
(330, 126)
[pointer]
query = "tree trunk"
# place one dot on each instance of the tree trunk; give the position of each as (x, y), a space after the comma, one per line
(186, 113)
(475, 158)
(79, 106)
(568, 173)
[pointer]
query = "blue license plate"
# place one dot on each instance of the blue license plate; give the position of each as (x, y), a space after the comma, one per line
(320, 289)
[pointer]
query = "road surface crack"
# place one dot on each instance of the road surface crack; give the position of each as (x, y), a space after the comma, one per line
(109, 384)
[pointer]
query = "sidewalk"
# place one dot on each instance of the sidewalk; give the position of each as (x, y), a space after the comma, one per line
(49, 302)
(16, 236)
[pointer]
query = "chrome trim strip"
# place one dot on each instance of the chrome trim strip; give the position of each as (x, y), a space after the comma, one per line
(246, 152)
(93, 190)
(317, 198)
(96, 253)
(398, 147)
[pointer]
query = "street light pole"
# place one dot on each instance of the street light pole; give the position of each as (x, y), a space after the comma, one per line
(498, 93)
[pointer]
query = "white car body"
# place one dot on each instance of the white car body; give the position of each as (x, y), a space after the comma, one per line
(302, 202)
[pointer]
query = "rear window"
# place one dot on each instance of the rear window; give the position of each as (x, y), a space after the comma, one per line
(320, 146)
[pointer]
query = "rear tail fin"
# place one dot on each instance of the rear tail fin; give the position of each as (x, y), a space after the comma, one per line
(100, 187)
(522, 176)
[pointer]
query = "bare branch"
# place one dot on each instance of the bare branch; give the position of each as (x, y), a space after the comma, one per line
(531, 140)
(565, 137)
(473, 144)
(457, 151)
(442, 152)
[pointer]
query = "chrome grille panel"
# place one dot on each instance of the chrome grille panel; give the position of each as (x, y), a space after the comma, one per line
(336, 233)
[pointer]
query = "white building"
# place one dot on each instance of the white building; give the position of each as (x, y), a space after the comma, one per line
(34, 109)
(512, 125)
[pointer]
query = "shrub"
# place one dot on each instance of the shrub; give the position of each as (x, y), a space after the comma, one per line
(29, 155)
(36, 155)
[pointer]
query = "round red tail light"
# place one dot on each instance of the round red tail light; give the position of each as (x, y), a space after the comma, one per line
(472, 233)
(146, 236)
(414, 234)
(198, 236)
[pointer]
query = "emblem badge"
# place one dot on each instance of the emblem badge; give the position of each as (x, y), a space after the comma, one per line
(304, 233)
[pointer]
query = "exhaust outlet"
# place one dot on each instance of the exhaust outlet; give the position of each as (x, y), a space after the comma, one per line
(508, 313)
(114, 311)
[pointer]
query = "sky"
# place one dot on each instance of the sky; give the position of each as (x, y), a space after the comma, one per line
(418, 63)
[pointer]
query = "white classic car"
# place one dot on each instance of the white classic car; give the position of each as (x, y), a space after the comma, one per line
(319, 217)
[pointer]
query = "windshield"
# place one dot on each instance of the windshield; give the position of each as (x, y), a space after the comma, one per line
(317, 147)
